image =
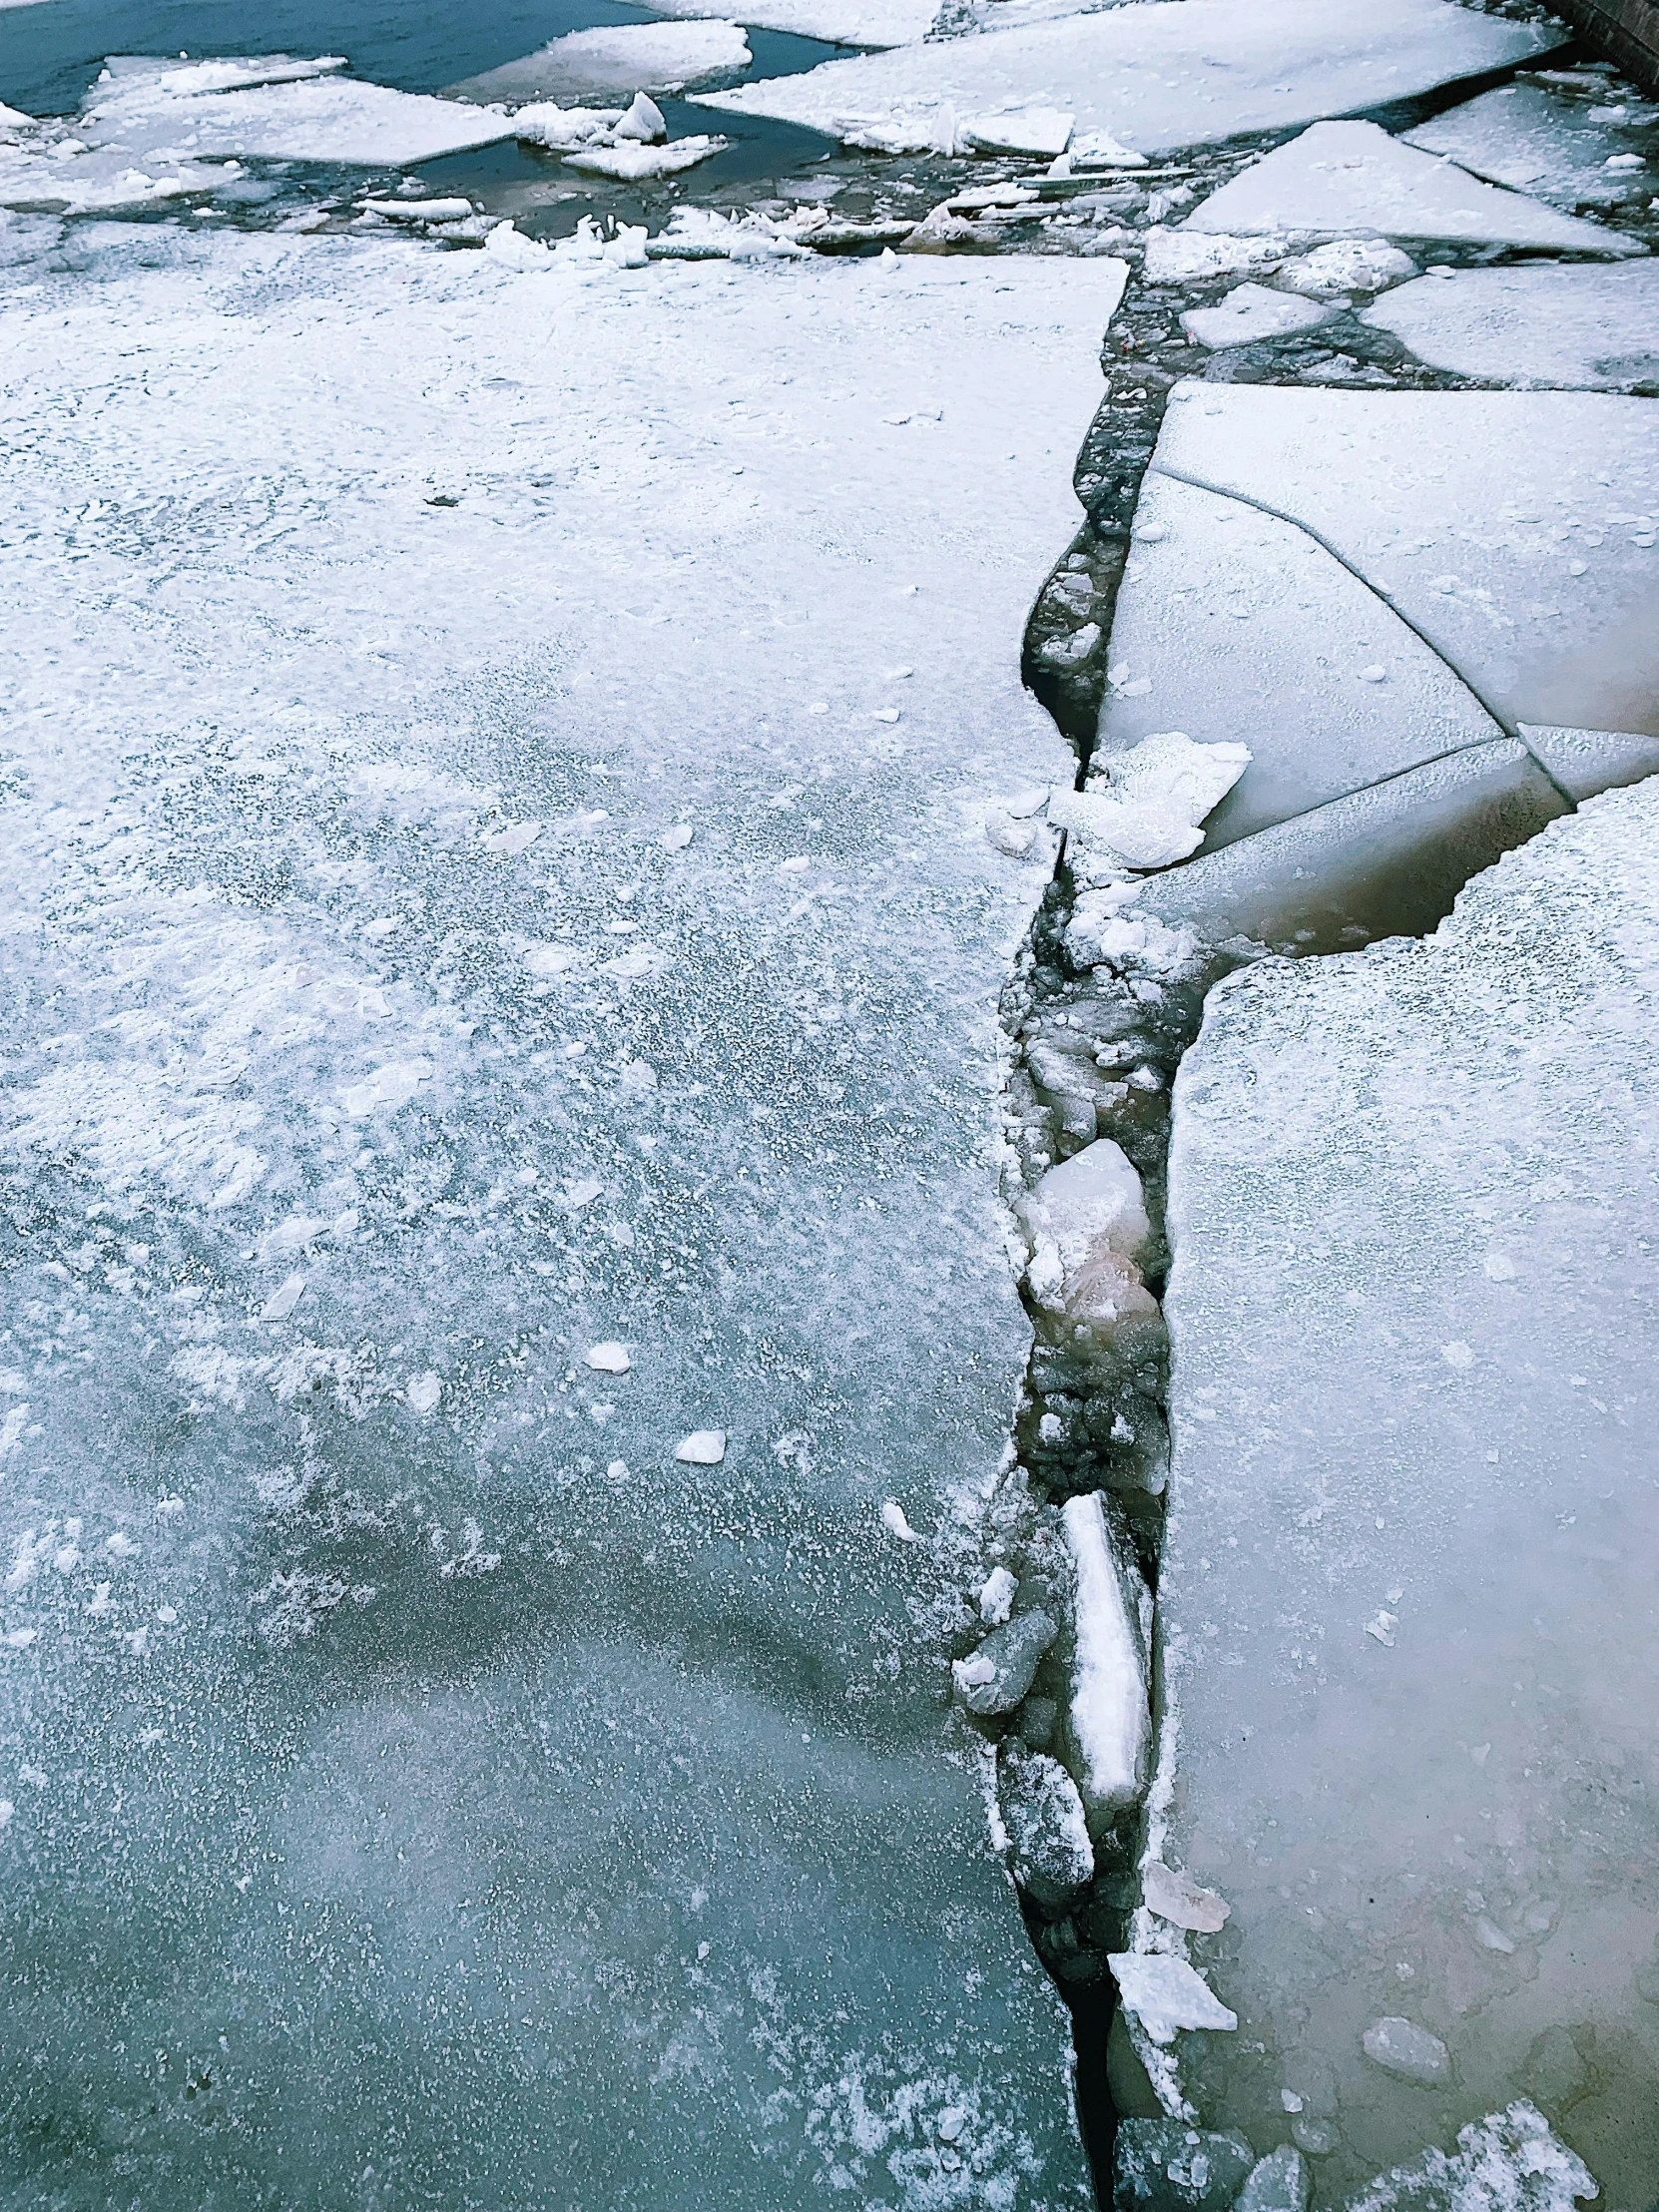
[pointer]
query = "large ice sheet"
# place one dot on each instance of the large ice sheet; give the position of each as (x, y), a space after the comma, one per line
(1538, 141)
(1407, 1601)
(1352, 180)
(274, 108)
(617, 58)
(1513, 530)
(496, 860)
(1237, 626)
(1158, 76)
(1588, 329)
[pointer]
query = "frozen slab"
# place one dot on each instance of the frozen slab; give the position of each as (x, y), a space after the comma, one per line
(617, 58)
(1583, 328)
(1233, 625)
(1160, 76)
(272, 105)
(1406, 1596)
(1251, 311)
(847, 22)
(1585, 761)
(1344, 180)
(528, 736)
(1514, 531)
(1538, 141)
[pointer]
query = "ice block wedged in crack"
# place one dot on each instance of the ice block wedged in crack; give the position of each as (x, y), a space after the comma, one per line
(1583, 327)
(1466, 511)
(1234, 625)
(1352, 179)
(1406, 1609)
(616, 61)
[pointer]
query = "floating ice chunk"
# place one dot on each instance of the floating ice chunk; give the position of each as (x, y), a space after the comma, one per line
(1187, 258)
(644, 121)
(1109, 1721)
(1100, 150)
(1351, 179)
(281, 1302)
(1086, 1218)
(621, 59)
(704, 1447)
(1178, 1898)
(996, 1597)
(1015, 840)
(1151, 810)
(609, 1359)
(551, 959)
(1279, 2183)
(423, 1392)
(1050, 1854)
(1403, 2048)
(896, 1523)
(1166, 1994)
(1512, 2161)
(632, 162)
(1532, 140)
(995, 1678)
(1586, 327)
(387, 1089)
(545, 123)
(421, 211)
(1169, 2166)
(1252, 311)
(1347, 264)
(1019, 131)
(867, 23)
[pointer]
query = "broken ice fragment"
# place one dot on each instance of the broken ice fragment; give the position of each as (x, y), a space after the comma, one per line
(1171, 2166)
(583, 1193)
(895, 1522)
(1382, 1627)
(516, 838)
(1150, 810)
(1086, 1218)
(1402, 2048)
(1010, 837)
(996, 1597)
(675, 838)
(1253, 311)
(1347, 264)
(1109, 1722)
(1166, 1994)
(281, 1302)
(1177, 1897)
(423, 1392)
(1280, 2183)
(1024, 130)
(609, 1359)
(1050, 1853)
(704, 1447)
(996, 1677)
(644, 121)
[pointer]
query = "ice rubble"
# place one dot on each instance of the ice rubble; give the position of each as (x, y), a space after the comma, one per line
(1159, 76)
(562, 1816)
(274, 107)
(1536, 140)
(1588, 329)
(1352, 179)
(620, 58)
(1409, 1535)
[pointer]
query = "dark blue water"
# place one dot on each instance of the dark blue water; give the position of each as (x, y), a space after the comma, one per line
(50, 54)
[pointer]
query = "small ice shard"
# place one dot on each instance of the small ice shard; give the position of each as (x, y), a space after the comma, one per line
(996, 1597)
(19, 1639)
(1069, 651)
(609, 1359)
(1381, 1626)
(996, 1677)
(1280, 2183)
(1176, 1897)
(952, 2123)
(387, 1089)
(1165, 1995)
(507, 244)
(895, 1522)
(704, 1447)
(1109, 1721)
(644, 121)
(1402, 2048)
(1347, 264)
(677, 838)
(517, 837)
(423, 1392)
(281, 1302)
(1252, 311)
(1150, 811)
(1051, 1856)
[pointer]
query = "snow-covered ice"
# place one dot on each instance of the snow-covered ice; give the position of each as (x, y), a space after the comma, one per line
(1536, 140)
(1159, 76)
(1251, 311)
(1108, 1719)
(1414, 1326)
(616, 59)
(1585, 328)
(1352, 179)
(535, 1815)
(847, 22)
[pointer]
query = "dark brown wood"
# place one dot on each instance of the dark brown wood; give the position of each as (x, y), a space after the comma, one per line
(1626, 31)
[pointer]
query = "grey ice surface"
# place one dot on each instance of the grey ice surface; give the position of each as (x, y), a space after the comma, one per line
(1407, 1601)
(1235, 626)
(495, 873)
(1538, 141)
(1582, 326)
(1346, 179)
(1515, 531)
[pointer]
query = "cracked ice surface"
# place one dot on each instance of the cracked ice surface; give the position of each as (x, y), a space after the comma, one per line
(1157, 76)
(491, 758)
(1405, 1606)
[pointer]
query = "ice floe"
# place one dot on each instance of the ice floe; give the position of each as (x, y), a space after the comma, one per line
(1251, 311)
(616, 59)
(1584, 327)
(1538, 141)
(1352, 179)
(1158, 76)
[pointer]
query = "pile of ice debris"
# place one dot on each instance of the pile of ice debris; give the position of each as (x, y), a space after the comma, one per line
(630, 143)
